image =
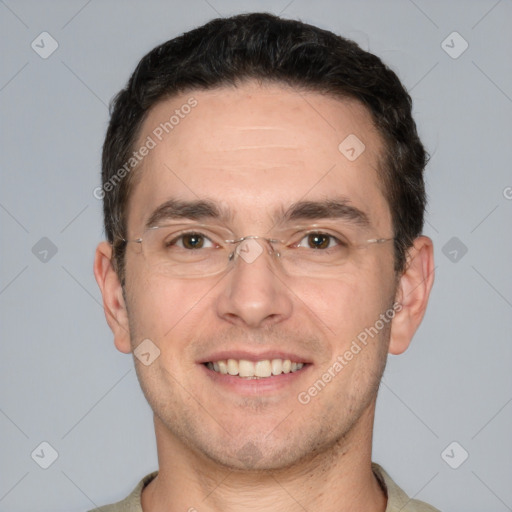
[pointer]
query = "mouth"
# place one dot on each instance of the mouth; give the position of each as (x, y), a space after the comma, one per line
(262, 369)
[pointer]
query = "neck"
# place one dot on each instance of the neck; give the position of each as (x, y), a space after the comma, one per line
(338, 479)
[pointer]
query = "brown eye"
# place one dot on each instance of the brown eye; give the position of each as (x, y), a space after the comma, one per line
(192, 241)
(318, 241)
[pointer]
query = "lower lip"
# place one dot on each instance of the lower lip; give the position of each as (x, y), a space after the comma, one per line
(264, 385)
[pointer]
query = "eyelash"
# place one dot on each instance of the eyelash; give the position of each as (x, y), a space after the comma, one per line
(182, 235)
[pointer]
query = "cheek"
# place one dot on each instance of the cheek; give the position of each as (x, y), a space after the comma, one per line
(347, 305)
(161, 308)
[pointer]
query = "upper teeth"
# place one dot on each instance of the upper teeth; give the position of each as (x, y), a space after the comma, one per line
(245, 368)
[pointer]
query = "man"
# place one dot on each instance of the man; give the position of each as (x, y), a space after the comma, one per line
(263, 202)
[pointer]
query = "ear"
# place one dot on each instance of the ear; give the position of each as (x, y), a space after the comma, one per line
(113, 300)
(412, 294)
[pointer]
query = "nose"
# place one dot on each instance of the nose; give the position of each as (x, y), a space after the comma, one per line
(253, 293)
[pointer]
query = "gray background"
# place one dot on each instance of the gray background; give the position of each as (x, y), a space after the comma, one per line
(62, 380)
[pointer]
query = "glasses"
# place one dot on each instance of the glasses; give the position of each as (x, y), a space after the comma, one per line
(200, 250)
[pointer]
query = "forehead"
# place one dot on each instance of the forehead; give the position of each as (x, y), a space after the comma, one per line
(255, 149)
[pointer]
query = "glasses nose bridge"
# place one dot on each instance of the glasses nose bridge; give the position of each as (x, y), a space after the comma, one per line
(249, 252)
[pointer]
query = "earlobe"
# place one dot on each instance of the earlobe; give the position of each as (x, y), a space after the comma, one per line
(112, 293)
(412, 294)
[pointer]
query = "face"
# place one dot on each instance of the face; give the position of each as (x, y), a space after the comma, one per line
(256, 154)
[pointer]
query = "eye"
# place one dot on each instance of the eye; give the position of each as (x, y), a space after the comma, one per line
(319, 241)
(191, 241)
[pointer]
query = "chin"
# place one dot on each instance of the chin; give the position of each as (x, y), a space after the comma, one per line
(252, 458)
(263, 454)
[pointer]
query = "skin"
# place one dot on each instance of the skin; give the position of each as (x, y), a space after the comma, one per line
(255, 150)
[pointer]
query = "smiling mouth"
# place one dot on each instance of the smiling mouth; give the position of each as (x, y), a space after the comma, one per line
(254, 369)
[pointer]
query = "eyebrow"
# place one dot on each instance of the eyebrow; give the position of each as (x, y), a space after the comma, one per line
(302, 210)
(193, 210)
(328, 209)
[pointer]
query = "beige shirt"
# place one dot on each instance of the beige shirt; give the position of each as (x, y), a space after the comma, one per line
(398, 501)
